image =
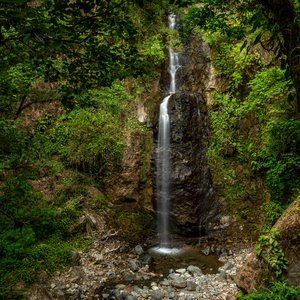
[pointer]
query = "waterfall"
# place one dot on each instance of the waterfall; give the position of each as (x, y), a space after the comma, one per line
(163, 166)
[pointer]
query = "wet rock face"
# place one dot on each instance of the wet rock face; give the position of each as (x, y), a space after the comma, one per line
(131, 188)
(192, 196)
(192, 191)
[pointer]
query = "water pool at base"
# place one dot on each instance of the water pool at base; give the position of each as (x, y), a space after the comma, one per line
(177, 258)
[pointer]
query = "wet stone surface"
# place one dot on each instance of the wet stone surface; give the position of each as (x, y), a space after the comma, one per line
(120, 274)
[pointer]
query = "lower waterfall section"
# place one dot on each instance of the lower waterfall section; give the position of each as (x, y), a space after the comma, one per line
(163, 174)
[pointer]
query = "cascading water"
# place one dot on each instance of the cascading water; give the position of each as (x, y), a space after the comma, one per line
(163, 165)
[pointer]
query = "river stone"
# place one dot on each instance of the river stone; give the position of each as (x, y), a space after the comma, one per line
(206, 251)
(60, 295)
(194, 270)
(173, 276)
(180, 271)
(138, 250)
(118, 295)
(146, 259)
(157, 295)
(133, 266)
(191, 285)
(250, 274)
(224, 252)
(179, 282)
(120, 286)
(112, 276)
(229, 265)
(128, 276)
(165, 282)
(98, 258)
(137, 289)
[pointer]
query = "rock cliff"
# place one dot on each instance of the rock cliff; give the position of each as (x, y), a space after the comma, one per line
(193, 198)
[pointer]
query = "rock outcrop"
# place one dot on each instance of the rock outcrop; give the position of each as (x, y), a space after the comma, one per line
(131, 188)
(252, 274)
(289, 227)
(192, 191)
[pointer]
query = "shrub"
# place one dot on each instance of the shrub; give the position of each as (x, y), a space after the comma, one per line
(269, 249)
(109, 99)
(272, 211)
(277, 291)
(95, 142)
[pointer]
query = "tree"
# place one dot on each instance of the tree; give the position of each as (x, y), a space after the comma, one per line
(79, 44)
(279, 17)
(284, 13)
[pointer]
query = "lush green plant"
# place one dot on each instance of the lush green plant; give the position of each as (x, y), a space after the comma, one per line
(270, 150)
(26, 257)
(277, 291)
(272, 211)
(109, 99)
(95, 141)
(269, 249)
(234, 65)
(34, 234)
(21, 206)
(14, 145)
(152, 51)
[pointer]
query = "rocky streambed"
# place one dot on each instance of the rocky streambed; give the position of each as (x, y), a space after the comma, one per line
(114, 270)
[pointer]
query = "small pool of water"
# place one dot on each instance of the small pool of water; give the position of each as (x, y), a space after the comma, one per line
(164, 251)
(176, 258)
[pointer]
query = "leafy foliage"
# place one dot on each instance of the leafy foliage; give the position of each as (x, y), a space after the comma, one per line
(95, 141)
(272, 211)
(270, 150)
(277, 291)
(234, 65)
(30, 233)
(112, 99)
(13, 146)
(21, 207)
(269, 249)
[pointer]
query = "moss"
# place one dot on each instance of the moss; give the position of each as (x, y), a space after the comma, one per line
(135, 227)
(146, 156)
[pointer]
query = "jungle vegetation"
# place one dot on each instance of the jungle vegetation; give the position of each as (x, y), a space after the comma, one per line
(87, 61)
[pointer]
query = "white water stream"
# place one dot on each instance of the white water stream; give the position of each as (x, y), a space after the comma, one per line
(163, 165)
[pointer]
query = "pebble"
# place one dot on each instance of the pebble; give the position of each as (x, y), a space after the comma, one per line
(180, 271)
(206, 251)
(138, 250)
(191, 285)
(179, 282)
(133, 266)
(194, 270)
(124, 279)
(165, 282)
